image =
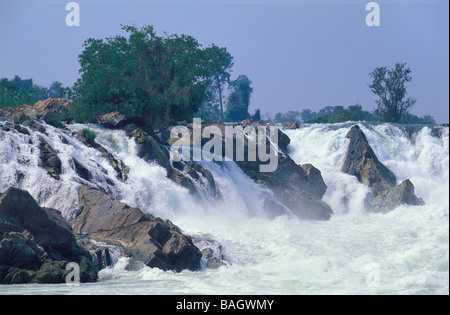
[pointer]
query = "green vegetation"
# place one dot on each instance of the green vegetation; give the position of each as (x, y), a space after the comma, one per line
(153, 80)
(17, 92)
(157, 81)
(389, 86)
(89, 135)
(239, 99)
(338, 114)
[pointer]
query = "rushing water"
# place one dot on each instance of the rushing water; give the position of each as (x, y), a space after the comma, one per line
(403, 252)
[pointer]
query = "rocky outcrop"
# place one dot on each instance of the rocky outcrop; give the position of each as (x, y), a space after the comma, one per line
(401, 194)
(185, 174)
(36, 244)
(51, 109)
(121, 169)
(314, 178)
(49, 160)
(145, 238)
(294, 189)
(149, 148)
(361, 161)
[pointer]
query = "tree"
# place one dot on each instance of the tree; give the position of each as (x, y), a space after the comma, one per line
(220, 63)
(257, 115)
(56, 89)
(239, 99)
(154, 80)
(389, 86)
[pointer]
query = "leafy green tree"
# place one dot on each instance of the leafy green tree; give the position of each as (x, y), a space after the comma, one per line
(390, 86)
(16, 92)
(239, 99)
(154, 80)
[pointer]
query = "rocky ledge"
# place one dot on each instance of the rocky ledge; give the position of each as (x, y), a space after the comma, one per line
(143, 237)
(36, 243)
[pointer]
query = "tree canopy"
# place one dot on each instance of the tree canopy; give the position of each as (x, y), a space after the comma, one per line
(18, 91)
(390, 86)
(154, 80)
(239, 99)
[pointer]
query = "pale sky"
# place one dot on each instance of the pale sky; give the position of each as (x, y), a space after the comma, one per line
(298, 53)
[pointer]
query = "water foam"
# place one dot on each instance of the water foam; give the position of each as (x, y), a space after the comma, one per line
(410, 245)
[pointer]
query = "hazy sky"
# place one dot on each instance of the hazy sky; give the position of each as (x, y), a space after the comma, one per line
(298, 53)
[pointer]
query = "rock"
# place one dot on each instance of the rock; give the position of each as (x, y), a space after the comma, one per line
(290, 125)
(362, 162)
(288, 182)
(121, 169)
(283, 141)
(149, 148)
(82, 171)
(273, 209)
(144, 238)
(179, 178)
(290, 186)
(401, 194)
(213, 254)
(56, 108)
(49, 160)
(37, 243)
(314, 177)
(111, 120)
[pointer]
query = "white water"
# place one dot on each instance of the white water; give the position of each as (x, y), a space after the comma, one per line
(409, 246)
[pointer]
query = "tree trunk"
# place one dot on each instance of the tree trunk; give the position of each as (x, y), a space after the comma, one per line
(219, 88)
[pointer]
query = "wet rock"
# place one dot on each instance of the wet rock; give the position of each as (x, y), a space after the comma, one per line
(361, 161)
(314, 177)
(145, 238)
(401, 194)
(37, 243)
(49, 160)
(121, 169)
(181, 179)
(149, 148)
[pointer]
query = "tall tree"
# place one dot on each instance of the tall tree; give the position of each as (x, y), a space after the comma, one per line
(220, 63)
(56, 89)
(239, 99)
(390, 86)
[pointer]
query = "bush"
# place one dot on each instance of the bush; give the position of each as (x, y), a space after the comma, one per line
(89, 135)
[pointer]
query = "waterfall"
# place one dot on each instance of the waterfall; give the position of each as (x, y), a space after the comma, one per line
(284, 255)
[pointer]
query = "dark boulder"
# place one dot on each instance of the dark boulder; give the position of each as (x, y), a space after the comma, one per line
(37, 243)
(149, 148)
(49, 160)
